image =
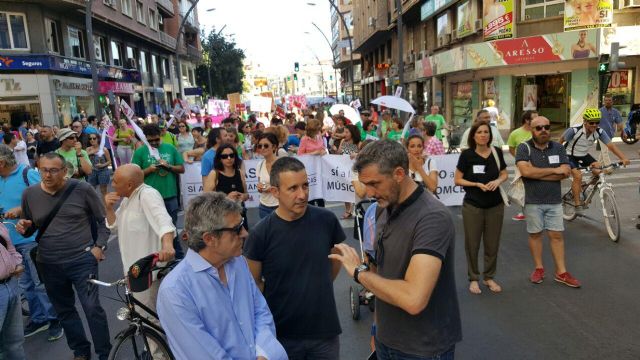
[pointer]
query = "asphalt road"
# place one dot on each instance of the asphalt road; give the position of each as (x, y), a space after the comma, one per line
(525, 321)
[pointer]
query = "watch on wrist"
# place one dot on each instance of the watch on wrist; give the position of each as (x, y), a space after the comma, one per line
(358, 270)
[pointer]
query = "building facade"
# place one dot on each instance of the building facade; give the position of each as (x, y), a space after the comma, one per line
(454, 57)
(44, 59)
(341, 37)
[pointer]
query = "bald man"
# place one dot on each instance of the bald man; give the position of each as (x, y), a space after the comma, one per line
(142, 223)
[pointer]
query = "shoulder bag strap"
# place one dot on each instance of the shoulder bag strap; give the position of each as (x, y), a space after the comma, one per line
(55, 210)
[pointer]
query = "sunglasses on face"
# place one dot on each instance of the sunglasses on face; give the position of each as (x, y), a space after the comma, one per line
(93, 138)
(540, 127)
(263, 146)
(227, 156)
(593, 123)
(236, 229)
(181, 126)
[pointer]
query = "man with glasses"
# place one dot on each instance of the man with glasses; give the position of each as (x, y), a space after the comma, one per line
(161, 173)
(67, 254)
(417, 313)
(236, 322)
(71, 150)
(579, 140)
(288, 257)
(543, 164)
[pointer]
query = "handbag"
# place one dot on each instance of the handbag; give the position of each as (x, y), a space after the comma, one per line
(516, 190)
(33, 254)
(503, 193)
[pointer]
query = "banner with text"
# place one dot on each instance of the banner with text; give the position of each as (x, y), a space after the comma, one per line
(330, 178)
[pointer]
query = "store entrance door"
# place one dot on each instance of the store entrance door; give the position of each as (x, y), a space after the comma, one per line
(546, 94)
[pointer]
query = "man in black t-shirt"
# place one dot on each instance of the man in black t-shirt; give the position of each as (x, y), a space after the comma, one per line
(48, 142)
(417, 312)
(288, 253)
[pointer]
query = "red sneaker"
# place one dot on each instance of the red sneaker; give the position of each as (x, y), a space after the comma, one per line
(518, 217)
(537, 276)
(568, 280)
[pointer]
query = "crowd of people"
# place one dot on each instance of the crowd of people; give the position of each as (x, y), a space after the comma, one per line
(263, 286)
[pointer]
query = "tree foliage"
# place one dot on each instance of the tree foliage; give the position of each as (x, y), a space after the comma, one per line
(223, 62)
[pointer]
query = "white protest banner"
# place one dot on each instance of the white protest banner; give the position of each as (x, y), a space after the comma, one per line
(126, 109)
(449, 193)
(261, 104)
(398, 92)
(336, 178)
(313, 165)
(251, 176)
(178, 111)
(129, 113)
(190, 182)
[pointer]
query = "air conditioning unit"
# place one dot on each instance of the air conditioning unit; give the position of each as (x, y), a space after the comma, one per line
(478, 25)
(131, 64)
(631, 3)
(372, 21)
(444, 40)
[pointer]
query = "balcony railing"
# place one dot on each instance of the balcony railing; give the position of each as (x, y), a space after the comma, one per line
(166, 6)
(167, 39)
(194, 52)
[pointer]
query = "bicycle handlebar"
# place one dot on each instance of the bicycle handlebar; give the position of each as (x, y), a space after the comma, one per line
(612, 165)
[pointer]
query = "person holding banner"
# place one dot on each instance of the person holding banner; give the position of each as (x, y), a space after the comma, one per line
(481, 169)
(267, 147)
(312, 143)
(426, 177)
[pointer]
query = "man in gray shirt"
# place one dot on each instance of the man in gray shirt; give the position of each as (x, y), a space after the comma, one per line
(417, 310)
(67, 254)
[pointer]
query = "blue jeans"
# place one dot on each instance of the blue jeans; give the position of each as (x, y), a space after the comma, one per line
(384, 352)
(40, 307)
(11, 331)
(172, 208)
(60, 281)
(264, 210)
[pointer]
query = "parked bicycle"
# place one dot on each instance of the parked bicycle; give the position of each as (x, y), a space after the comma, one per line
(589, 188)
(142, 339)
(454, 136)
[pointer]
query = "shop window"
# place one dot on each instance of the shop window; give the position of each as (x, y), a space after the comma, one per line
(76, 42)
(140, 12)
(126, 7)
(100, 47)
(13, 31)
(51, 29)
(153, 19)
(118, 54)
(539, 9)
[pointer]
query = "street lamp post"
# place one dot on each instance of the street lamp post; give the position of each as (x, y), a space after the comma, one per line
(88, 14)
(177, 52)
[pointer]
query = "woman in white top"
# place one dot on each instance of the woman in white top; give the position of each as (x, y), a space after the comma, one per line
(267, 147)
(423, 175)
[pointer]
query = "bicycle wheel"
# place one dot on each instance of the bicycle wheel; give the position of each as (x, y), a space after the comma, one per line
(610, 212)
(130, 344)
(568, 209)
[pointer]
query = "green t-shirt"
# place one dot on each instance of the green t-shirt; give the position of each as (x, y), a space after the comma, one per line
(240, 138)
(395, 135)
(169, 139)
(71, 157)
(517, 137)
(439, 121)
(162, 180)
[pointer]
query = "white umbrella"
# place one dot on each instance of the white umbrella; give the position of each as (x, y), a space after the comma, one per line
(349, 112)
(394, 102)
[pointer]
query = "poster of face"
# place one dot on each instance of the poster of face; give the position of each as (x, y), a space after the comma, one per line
(497, 19)
(587, 14)
(465, 25)
(530, 99)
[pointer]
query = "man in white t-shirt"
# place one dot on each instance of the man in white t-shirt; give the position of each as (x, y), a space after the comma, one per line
(18, 146)
(142, 223)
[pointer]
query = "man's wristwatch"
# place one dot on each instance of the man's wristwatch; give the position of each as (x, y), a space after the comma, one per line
(358, 270)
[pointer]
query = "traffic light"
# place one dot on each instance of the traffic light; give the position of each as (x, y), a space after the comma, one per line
(295, 77)
(296, 66)
(614, 64)
(603, 64)
(288, 78)
(331, 77)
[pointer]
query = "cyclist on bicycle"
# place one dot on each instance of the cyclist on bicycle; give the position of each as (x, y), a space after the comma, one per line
(578, 140)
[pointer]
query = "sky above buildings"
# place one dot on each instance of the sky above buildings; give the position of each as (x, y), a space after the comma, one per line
(273, 33)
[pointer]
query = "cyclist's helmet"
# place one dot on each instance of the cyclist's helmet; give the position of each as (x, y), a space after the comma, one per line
(592, 114)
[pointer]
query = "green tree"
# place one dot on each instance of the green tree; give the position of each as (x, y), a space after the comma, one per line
(222, 61)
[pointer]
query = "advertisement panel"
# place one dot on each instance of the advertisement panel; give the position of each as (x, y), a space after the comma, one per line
(465, 19)
(587, 14)
(497, 19)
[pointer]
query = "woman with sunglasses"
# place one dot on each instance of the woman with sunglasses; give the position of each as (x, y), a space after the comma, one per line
(229, 177)
(480, 170)
(417, 159)
(99, 164)
(185, 139)
(267, 147)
